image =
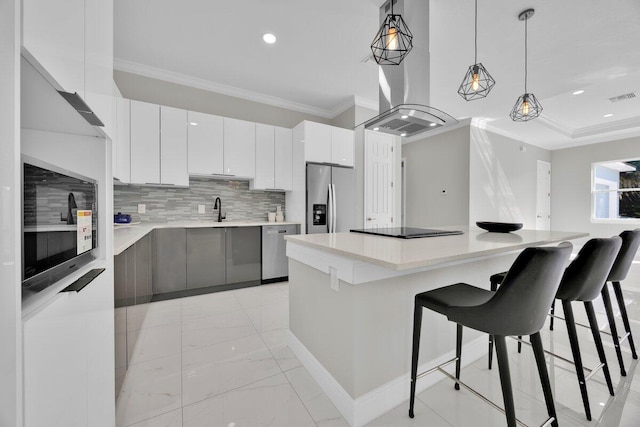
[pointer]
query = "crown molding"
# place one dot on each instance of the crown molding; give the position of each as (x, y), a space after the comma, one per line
(198, 83)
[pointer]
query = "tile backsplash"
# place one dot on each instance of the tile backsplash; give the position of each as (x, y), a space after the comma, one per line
(169, 204)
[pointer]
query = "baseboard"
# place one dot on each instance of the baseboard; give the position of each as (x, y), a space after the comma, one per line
(358, 412)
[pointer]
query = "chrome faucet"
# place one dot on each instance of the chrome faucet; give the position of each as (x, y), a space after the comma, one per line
(218, 205)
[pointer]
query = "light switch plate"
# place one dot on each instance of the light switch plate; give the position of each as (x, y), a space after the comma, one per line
(142, 208)
(200, 209)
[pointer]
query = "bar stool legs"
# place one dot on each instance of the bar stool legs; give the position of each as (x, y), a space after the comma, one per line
(417, 324)
(505, 379)
(577, 359)
(538, 352)
(595, 331)
(458, 353)
(606, 299)
(625, 319)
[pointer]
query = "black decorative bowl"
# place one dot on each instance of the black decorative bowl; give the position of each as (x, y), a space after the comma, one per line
(499, 227)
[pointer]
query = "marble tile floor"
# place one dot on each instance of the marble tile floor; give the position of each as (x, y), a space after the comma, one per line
(222, 360)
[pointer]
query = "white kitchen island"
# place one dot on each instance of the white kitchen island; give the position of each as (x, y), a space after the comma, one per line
(351, 307)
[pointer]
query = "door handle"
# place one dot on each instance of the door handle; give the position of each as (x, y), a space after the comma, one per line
(369, 219)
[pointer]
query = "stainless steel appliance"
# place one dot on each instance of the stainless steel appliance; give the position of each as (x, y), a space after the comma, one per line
(331, 196)
(275, 266)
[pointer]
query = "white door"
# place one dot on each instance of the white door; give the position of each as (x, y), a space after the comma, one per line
(378, 180)
(543, 204)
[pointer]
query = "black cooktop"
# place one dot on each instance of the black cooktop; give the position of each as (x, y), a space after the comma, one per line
(406, 232)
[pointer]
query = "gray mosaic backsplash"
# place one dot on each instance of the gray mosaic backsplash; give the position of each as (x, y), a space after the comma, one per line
(169, 204)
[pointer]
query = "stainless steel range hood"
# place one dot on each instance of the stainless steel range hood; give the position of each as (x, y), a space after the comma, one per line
(404, 89)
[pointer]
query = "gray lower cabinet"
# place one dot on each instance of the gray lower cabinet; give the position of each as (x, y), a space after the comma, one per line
(205, 257)
(169, 260)
(243, 254)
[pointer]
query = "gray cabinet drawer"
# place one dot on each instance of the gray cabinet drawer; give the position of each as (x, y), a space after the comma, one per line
(205, 257)
(243, 254)
(169, 272)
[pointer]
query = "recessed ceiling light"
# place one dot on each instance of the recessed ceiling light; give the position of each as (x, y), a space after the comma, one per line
(193, 123)
(376, 128)
(608, 115)
(432, 124)
(405, 116)
(403, 134)
(269, 38)
(578, 92)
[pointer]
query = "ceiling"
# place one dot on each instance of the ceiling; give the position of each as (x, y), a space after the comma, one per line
(318, 64)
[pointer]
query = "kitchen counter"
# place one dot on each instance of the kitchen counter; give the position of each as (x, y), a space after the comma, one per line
(351, 308)
(126, 235)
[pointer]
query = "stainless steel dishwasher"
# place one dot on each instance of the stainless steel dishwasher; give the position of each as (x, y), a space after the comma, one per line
(275, 266)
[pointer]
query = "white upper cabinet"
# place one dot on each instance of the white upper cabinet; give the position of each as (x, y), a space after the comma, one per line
(328, 144)
(99, 61)
(53, 34)
(342, 146)
(145, 143)
(173, 146)
(265, 157)
(283, 178)
(317, 142)
(206, 144)
(122, 142)
(239, 148)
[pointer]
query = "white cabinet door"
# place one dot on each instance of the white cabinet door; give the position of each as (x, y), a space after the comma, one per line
(265, 157)
(122, 142)
(206, 144)
(145, 143)
(317, 142)
(53, 33)
(99, 60)
(342, 146)
(173, 146)
(283, 159)
(239, 148)
(69, 358)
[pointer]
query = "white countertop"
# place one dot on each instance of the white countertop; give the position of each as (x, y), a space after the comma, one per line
(126, 235)
(404, 254)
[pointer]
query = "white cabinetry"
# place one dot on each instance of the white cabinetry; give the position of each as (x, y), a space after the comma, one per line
(206, 144)
(273, 158)
(173, 146)
(69, 358)
(239, 148)
(145, 143)
(328, 144)
(122, 142)
(265, 157)
(283, 159)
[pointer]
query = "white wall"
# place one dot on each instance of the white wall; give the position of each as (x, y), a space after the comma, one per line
(10, 192)
(434, 164)
(571, 185)
(503, 178)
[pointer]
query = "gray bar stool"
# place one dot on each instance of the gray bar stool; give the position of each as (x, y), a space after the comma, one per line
(619, 271)
(518, 307)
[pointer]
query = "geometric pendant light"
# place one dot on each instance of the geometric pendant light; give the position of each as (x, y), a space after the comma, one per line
(527, 107)
(477, 83)
(393, 41)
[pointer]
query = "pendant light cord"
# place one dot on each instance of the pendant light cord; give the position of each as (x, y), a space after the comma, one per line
(526, 21)
(475, 61)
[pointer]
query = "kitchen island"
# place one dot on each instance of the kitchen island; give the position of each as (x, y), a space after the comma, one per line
(351, 307)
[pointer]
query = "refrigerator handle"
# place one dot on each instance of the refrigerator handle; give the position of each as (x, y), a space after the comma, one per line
(329, 208)
(334, 215)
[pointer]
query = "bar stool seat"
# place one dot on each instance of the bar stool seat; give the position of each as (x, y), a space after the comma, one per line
(517, 308)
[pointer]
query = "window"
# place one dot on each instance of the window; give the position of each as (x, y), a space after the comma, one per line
(616, 190)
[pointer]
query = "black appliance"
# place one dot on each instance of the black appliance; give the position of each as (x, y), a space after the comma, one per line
(59, 224)
(406, 232)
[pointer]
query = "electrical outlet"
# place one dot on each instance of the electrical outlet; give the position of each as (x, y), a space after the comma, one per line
(335, 282)
(142, 208)
(200, 209)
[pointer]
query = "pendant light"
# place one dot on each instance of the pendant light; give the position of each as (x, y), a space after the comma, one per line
(393, 40)
(477, 83)
(527, 106)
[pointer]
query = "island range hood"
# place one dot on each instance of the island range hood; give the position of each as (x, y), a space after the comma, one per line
(404, 89)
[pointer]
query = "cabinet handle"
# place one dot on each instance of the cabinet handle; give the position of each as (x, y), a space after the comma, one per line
(82, 282)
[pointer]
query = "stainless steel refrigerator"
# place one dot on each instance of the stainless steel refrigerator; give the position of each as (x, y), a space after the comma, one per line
(331, 199)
